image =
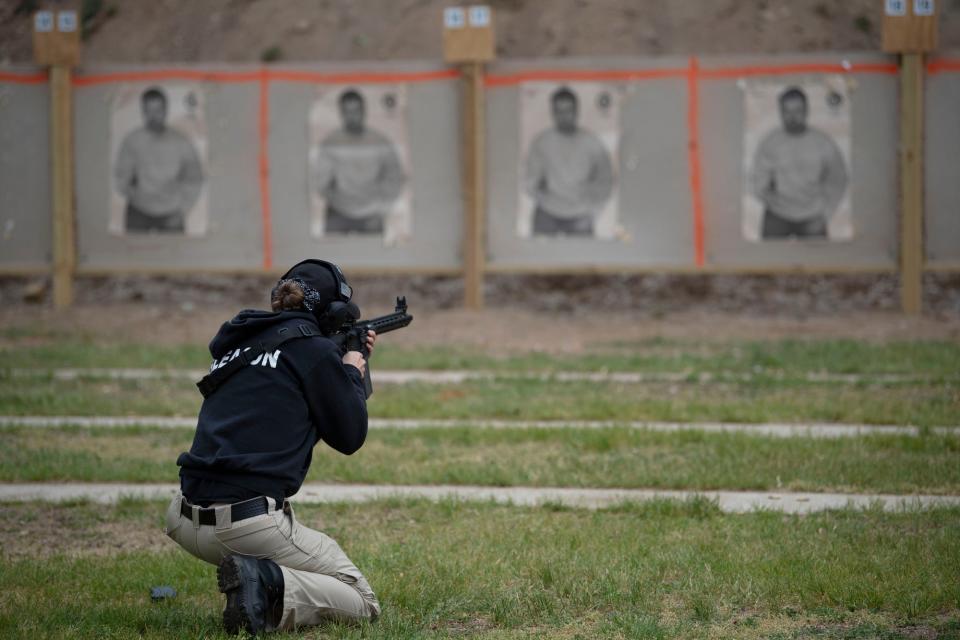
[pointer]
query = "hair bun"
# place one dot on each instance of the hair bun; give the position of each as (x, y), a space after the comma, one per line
(286, 296)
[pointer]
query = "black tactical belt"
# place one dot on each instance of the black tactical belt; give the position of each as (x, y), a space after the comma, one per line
(238, 510)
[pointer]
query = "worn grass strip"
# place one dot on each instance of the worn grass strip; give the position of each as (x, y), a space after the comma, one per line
(792, 358)
(660, 570)
(604, 458)
(755, 402)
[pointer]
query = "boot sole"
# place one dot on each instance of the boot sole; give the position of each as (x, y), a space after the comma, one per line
(230, 581)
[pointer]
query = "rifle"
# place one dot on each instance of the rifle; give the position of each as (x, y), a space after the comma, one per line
(352, 336)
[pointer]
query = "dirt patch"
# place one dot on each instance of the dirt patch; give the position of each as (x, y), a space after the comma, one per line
(463, 627)
(39, 530)
(524, 313)
(246, 30)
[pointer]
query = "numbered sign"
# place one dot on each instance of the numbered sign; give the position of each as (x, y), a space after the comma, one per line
(67, 21)
(910, 26)
(923, 7)
(454, 18)
(480, 16)
(468, 34)
(43, 21)
(896, 7)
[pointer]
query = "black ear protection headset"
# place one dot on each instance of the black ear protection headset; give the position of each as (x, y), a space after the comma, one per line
(340, 311)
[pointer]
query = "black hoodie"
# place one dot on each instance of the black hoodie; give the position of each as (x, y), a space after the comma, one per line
(255, 434)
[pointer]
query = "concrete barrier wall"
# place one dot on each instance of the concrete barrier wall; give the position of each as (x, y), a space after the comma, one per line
(234, 237)
(873, 164)
(942, 221)
(433, 135)
(25, 198)
(653, 178)
(257, 172)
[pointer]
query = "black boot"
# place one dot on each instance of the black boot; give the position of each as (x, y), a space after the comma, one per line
(254, 590)
(272, 579)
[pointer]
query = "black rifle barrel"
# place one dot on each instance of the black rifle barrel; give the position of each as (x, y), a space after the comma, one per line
(385, 324)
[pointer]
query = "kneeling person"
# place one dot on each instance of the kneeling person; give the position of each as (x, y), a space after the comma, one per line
(252, 449)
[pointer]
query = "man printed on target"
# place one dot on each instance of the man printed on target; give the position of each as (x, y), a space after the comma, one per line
(252, 450)
(798, 174)
(569, 173)
(157, 171)
(357, 171)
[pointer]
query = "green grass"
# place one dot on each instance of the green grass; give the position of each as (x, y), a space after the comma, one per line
(532, 399)
(928, 359)
(658, 570)
(614, 457)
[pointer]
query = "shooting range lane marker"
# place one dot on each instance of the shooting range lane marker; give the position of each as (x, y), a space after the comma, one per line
(774, 430)
(696, 167)
(401, 376)
(727, 501)
(23, 78)
(263, 159)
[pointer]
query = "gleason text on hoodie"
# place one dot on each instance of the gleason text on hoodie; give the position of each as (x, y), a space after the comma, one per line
(255, 435)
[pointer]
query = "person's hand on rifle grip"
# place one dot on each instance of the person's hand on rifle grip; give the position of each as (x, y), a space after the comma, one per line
(356, 359)
(371, 339)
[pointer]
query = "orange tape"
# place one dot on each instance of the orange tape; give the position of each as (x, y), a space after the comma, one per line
(311, 77)
(21, 78)
(168, 74)
(264, 161)
(574, 75)
(942, 65)
(781, 70)
(696, 182)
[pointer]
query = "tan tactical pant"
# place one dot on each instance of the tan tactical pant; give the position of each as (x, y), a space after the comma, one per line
(320, 582)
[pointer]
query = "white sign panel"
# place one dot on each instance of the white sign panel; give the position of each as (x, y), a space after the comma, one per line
(896, 7)
(454, 17)
(923, 7)
(43, 21)
(67, 21)
(480, 16)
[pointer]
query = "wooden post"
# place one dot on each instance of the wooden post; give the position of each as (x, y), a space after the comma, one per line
(911, 183)
(56, 43)
(910, 29)
(474, 184)
(468, 39)
(61, 153)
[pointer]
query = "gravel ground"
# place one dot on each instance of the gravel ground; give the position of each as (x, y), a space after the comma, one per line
(793, 295)
(524, 313)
